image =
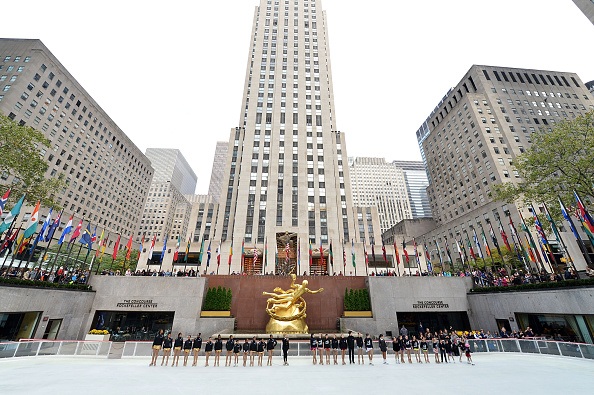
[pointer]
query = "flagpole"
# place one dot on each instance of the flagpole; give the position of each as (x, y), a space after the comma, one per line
(487, 247)
(13, 254)
(525, 229)
(32, 251)
(45, 251)
(494, 236)
(8, 233)
(578, 239)
(16, 236)
(558, 236)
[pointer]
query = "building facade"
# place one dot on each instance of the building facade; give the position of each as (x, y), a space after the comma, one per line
(587, 7)
(286, 175)
(108, 177)
(381, 184)
(415, 178)
(218, 170)
(166, 210)
(471, 141)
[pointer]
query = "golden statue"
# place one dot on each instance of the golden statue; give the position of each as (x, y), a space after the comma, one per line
(287, 309)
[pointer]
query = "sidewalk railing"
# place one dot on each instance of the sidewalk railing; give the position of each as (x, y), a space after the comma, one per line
(99, 349)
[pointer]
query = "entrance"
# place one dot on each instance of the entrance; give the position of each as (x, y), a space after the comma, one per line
(52, 329)
(433, 321)
(133, 325)
(286, 262)
(16, 326)
(503, 323)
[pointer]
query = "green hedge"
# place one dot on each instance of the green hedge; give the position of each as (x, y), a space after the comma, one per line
(217, 299)
(357, 300)
(43, 284)
(538, 286)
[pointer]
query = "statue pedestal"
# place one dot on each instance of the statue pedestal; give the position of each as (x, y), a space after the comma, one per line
(281, 327)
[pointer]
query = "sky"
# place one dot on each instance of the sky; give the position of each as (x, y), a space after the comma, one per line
(171, 74)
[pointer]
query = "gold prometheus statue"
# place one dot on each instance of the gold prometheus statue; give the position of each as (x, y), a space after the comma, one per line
(287, 309)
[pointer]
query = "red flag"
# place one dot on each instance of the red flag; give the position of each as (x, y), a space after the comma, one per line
(129, 247)
(396, 253)
(405, 252)
(366, 257)
(384, 252)
(76, 232)
(504, 237)
(116, 247)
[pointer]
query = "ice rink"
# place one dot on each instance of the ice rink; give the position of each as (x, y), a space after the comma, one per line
(492, 374)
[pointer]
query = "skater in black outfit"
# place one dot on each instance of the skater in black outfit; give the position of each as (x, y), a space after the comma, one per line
(218, 348)
(177, 346)
(187, 349)
(343, 345)
(351, 347)
(369, 348)
(383, 348)
(167, 344)
(157, 343)
(196, 348)
(270, 344)
(246, 351)
(285, 350)
(208, 349)
(236, 351)
(313, 344)
(229, 348)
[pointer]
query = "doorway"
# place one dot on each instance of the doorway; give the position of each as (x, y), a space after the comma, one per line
(52, 329)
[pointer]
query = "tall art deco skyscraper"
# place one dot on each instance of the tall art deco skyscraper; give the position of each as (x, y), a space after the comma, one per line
(286, 174)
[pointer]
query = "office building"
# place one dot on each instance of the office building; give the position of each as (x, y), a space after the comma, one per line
(166, 211)
(380, 184)
(218, 170)
(587, 7)
(473, 137)
(286, 174)
(107, 175)
(415, 178)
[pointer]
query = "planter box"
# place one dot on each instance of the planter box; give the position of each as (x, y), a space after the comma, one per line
(215, 314)
(357, 314)
(97, 338)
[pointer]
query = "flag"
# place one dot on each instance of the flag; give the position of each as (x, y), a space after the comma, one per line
(265, 260)
(46, 225)
(405, 252)
(3, 201)
(86, 237)
(255, 260)
(459, 251)
(415, 249)
(176, 253)
(353, 253)
(52, 229)
(152, 248)
(208, 254)
(287, 250)
(16, 209)
(9, 240)
(384, 252)
(553, 224)
(298, 252)
(67, 229)
(129, 248)
(164, 249)
(544, 242)
(478, 244)
(141, 246)
(94, 236)
(321, 253)
(103, 247)
(428, 258)
(487, 249)
(188, 245)
(447, 248)
(493, 235)
(373, 250)
(100, 243)
(569, 220)
(230, 252)
(116, 247)
(219, 255)
(396, 253)
(344, 259)
(202, 251)
(331, 255)
(504, 237)
(470, 249)
(76, 232)
(310, 254)
(584, 214)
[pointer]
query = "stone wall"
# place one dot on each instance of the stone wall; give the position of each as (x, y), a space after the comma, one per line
(484, 309)
(390, 295)
(72, 307)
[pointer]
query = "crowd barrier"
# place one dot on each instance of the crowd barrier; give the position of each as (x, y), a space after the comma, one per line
(131, 349)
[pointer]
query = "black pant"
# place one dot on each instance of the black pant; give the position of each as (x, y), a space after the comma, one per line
(443, 355)
(285, 352)
(351, 355)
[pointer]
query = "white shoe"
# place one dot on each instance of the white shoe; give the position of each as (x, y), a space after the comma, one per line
(385, 363)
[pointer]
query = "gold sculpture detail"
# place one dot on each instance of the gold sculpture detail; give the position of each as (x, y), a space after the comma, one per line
(287, 309)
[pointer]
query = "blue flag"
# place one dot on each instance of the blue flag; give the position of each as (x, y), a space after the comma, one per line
(85, 239)
(164, 249)
(52, 229)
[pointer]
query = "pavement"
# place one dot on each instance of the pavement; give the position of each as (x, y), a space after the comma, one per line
(492, 374)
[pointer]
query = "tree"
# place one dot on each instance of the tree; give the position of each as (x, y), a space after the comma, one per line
(20, 157)
(559, 161)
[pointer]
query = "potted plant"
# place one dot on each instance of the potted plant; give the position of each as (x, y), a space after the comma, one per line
(97, 335)
(217, 303)
(357, 303)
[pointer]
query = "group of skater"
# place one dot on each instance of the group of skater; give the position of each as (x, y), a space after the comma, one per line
(252, 350)
(325, 349)
(445, 348)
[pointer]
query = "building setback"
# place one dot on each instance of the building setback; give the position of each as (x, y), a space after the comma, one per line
(471, 140)
(217, 175)
(107, 175)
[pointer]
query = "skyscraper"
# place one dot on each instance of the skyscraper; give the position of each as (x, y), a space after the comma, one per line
(415, 178)
(286, 174)
(218, 170)
(377, 183)
(475, 134)
(107, 175)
